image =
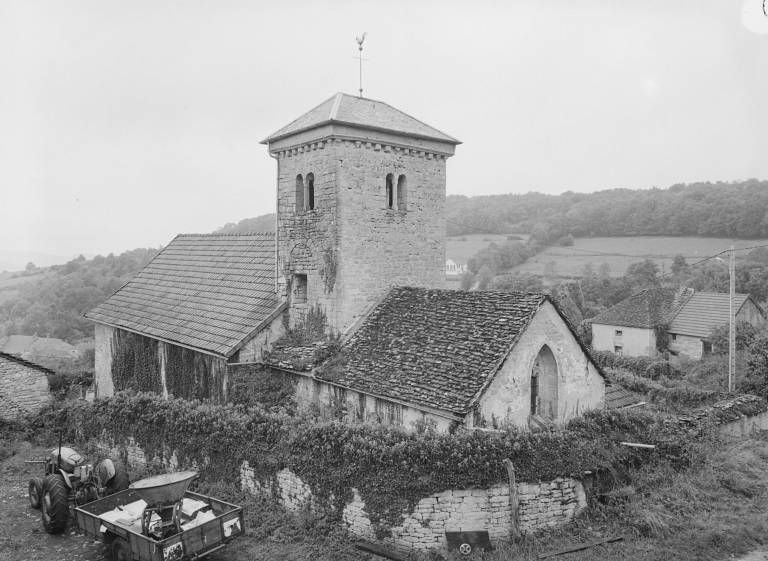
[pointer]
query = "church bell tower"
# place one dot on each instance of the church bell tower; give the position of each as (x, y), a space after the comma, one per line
(360, 206)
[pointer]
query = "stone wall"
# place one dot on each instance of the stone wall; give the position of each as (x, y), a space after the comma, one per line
(686, 345)
(541, 505)
(23, 388)
(350, 246)
(579, 386)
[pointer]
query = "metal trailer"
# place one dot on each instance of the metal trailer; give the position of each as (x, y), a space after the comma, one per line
(125, 544)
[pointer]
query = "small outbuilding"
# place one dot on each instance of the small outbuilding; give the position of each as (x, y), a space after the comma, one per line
(24, 387)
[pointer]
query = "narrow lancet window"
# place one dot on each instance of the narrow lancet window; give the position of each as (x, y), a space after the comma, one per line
(390, 194)
(310, 191)
(299, 193)
(402, 193)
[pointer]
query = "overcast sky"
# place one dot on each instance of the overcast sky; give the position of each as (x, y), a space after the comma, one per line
(124, 123)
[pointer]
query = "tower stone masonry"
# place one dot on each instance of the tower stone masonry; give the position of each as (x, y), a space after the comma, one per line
(360, 206)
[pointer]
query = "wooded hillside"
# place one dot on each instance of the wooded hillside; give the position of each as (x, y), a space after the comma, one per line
(737, 209)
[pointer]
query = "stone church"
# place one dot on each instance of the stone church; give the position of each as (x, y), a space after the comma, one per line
(361, 236)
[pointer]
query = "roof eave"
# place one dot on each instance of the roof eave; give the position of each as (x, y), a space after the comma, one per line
(447, 139)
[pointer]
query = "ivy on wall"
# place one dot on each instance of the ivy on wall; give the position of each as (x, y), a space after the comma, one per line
(193, 375)
(391, 469)
(135, 363)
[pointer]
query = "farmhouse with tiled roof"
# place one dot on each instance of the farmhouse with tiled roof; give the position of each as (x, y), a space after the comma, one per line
(686, 317)
(360, 237)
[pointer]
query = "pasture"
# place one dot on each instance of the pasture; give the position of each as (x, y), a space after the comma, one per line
(619, 253)
(461, 248)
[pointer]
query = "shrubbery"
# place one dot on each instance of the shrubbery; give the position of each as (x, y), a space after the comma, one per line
(638, 365)
(391, 469)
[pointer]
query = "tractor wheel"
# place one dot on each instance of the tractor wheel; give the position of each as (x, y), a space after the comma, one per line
(119, 550)
(35, 492)
(120, 480)
(54, 505)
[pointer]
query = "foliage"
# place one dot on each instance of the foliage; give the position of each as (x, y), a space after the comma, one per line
(639, 365)
(745, 335)
(329, 268)
(698, 209)
(262, 223)
(311, 328)
(193, 375)
(53, 304)
(135, 363)
(391, 469)
(669, 393)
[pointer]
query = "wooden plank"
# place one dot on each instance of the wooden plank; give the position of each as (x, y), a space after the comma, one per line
(514, 501)
(380, 550)
(638, 445)
(580, 547)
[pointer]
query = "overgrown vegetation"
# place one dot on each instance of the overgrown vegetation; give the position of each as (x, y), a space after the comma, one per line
(53, 305)
(391, 469)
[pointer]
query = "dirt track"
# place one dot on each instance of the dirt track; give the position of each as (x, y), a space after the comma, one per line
(21, 533)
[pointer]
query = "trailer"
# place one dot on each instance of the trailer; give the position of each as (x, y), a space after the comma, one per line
(127, 542)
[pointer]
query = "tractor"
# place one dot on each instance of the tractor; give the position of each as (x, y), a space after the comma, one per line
(69, 481)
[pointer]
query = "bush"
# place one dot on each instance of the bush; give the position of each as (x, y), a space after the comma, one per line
(391, 469)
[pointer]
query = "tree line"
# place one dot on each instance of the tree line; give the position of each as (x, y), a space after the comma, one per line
(733, 209)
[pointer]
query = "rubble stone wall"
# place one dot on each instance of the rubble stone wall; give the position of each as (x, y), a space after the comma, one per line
(23, 389)
(540, 505)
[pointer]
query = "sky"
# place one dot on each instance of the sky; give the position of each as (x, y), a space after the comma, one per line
(125, 123)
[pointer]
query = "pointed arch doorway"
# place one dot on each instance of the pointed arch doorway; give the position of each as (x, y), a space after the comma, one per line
(544, 385)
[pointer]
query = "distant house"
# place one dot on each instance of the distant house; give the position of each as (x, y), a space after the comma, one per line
(34, 348)
(453, 269)
(691, 327)
(23, 387)
(632, 326)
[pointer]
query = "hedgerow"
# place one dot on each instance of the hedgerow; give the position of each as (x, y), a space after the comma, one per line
(676, 394)
(638, 365)
(391, 469)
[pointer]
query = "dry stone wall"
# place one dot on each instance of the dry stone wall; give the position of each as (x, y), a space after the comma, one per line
(540, 505)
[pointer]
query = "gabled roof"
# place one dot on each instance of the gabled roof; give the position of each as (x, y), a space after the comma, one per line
(434, 348)
(6, 359)
(646, 309)
(703, 312)
(360, 112)
(207, 292)
(38, 346)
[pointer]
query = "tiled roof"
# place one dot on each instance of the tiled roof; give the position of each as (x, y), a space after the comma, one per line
(435, 348)
(703, 312)
(360, 112)
(6, 358)
(617, 397)
(646, 309)
(208, 292)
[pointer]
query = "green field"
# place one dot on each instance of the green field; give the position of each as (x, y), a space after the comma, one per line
(619, 253)
(461, 248)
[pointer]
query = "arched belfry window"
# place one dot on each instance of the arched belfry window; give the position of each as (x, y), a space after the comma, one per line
(390, 194)
(310, 191)
(402, 193)
(299, 193)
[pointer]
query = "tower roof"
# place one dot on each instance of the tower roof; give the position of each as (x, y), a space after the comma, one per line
(364, 113)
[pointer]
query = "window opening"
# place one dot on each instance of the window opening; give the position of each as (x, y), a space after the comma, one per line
(300, 289)
(619, 333)
(618, 349)
(310, 191)
(402, 192)
(534, 393)
(390, 191)
(299, 193)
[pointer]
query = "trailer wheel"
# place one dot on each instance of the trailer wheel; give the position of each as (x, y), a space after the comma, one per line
(119, 550)
(54, 504)
(35, 492)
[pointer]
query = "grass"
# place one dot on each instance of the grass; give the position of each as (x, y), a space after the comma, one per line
(461, 248)
(715, 509)
(619, 253)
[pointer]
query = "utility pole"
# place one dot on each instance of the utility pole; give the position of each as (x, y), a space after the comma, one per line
(732, 322)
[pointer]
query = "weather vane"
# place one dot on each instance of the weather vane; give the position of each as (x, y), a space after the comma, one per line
(360, 40)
